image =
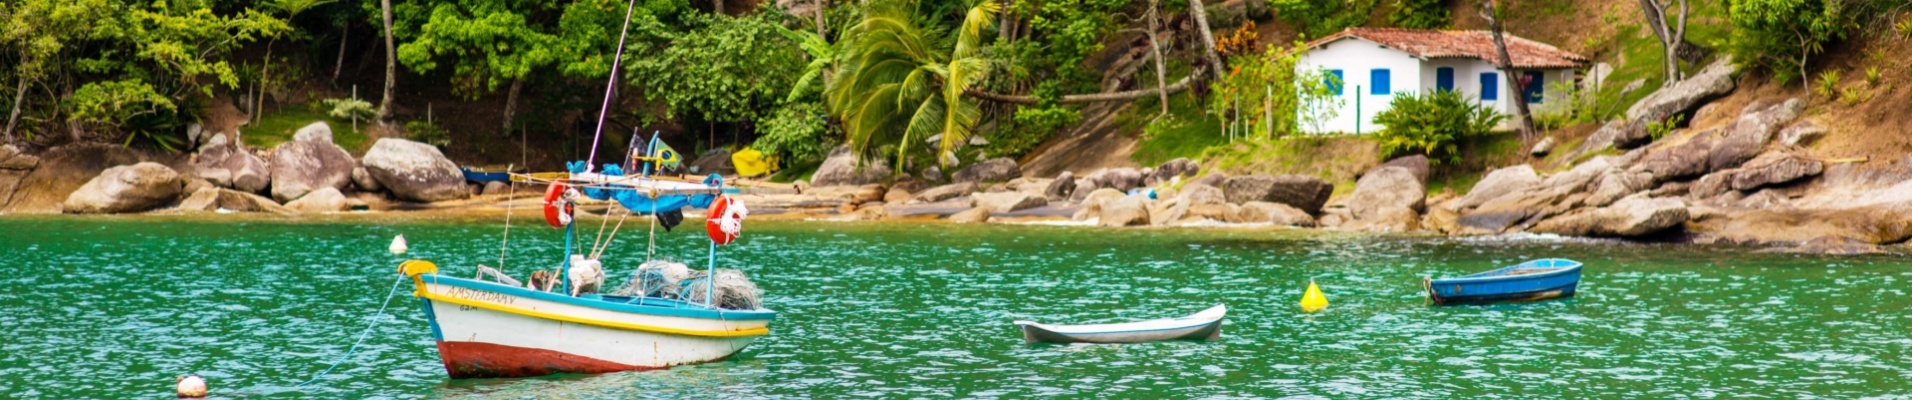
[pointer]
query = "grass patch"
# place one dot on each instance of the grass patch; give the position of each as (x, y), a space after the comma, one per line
(1642, 56)
(1479, 154)
(1337, 159)
(278, 127)
(1185, 132)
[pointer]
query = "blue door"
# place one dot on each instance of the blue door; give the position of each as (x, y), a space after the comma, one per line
(1489, 86)
(1444, 78)
(1535, 85)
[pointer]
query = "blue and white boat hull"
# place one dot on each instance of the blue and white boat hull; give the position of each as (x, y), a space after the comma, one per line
(1529, 281)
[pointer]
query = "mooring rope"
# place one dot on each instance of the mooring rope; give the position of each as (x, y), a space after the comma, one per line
(361, 338)
(506, 239)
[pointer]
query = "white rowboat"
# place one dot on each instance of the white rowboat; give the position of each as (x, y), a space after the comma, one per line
(1204, 325)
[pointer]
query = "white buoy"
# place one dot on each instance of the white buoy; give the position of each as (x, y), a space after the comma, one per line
(190, 387)
(398, 245)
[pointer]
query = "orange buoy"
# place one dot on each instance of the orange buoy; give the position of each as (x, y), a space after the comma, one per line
(726, 219)
(557, 209)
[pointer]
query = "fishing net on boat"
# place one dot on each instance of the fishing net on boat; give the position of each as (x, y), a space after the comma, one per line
(658, 278)
(674, 280)
(734, 290)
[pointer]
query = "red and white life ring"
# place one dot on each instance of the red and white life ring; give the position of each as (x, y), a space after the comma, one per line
(726, 219)
(557, 205)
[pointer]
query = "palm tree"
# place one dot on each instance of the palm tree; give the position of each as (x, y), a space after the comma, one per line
(891, 79)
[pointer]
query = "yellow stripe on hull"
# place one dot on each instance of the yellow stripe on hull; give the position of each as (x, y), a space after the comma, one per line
(590, 321)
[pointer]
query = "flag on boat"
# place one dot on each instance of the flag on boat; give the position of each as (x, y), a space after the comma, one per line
(657, 153)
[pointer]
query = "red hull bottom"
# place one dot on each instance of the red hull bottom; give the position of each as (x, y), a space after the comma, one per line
(487, 360)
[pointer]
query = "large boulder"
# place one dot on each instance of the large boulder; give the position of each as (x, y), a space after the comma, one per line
(1498, 183)
(1061, 188)
(1214, 212)
(314, 132)
(232, 167)
(946, 192)
(1748, 135)
(1272, 213)
(842, 168)
(1678, 158)
(1126, 211)
(1773, 169)
(1167, 212)
(1302, 192)
(414, 171)
(1214, 178)
(1384, 189)
(1713, 81)
(1629, 217)
(127, 188)
(716, 161)
(1168, 171)
(973, 215)
(299, 167)
(1801, 134)
(1121, 179)
(363, 180)
(1388, 219)
(214, 199)
(994, 170)
(14, 167)
(1615, 185)
(324, 200)
(1416, 164)
(1554, 195)
(1198, 194)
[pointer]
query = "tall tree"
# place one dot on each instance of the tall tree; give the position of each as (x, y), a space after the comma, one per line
(1782, 35)
(1525, 119)
(1671, 37)
(896, 81)
(391, 64)
(1155, 49)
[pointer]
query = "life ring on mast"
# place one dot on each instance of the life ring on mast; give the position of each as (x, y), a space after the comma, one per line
(558, 209)
(726, 219)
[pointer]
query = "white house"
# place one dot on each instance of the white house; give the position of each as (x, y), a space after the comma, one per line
(1375, 64)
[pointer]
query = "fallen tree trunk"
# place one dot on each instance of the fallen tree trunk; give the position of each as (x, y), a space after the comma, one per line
(1126, 95)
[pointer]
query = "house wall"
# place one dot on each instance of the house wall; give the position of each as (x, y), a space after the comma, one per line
(1356, 57)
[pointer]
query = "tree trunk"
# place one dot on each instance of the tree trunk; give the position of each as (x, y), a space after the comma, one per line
(1670, 37)
(1525, 118)
(1155, 49)
(1177, 87)
(19, 95)
(719, 5)
(1196, 10)
(259, 100)
(391, 64)
(345, 36)
(821, 6)
(511, 103)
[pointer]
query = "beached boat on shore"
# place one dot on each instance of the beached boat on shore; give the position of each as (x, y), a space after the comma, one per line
(1534, 280)
(1204, 325)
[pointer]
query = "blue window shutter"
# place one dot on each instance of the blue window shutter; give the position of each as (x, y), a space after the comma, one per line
(1336, 83)
(1444, 78)
(1379, 80)
(1489, 86)
(1535, 84)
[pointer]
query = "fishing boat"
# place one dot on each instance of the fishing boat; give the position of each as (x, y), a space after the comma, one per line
(1204, 325)
(666, 314)
(1541, 279)
(483, 175)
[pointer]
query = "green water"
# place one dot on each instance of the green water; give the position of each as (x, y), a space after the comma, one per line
(115, 307)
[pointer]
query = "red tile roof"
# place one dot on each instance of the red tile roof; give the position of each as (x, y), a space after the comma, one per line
(1432, 44)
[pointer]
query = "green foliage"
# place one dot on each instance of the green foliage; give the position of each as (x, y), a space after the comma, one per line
(1431, 124)
(1659, 129)
(1049, 55)
(1029, 127)
(1318, 18)
(797, 132)
(351, 109)
(1872, 76)
(715, 67)
(1781, 35)
(130, 105)
(1580, 107)
(1419, 14)
(1266, 85)
(895, 80)
(428, 133)
(1184, 132)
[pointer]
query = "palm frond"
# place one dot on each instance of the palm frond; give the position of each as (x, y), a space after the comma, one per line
(969, 40)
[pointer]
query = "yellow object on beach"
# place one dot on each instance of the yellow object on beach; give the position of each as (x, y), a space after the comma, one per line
(1313, 300)
(750, 162)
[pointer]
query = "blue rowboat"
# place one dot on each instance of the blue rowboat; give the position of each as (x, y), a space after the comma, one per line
(482, 175)
(1204, 325)
(1541, 279)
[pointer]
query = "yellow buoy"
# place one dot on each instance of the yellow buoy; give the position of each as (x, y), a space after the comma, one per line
(1313, 300)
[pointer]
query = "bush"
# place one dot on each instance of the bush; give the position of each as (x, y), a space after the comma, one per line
(1432, 124)
(797, 132)
(350, 109)
(425, 132)
(1419, 14)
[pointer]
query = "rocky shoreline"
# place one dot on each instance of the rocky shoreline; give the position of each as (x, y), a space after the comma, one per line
(1747, 181)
